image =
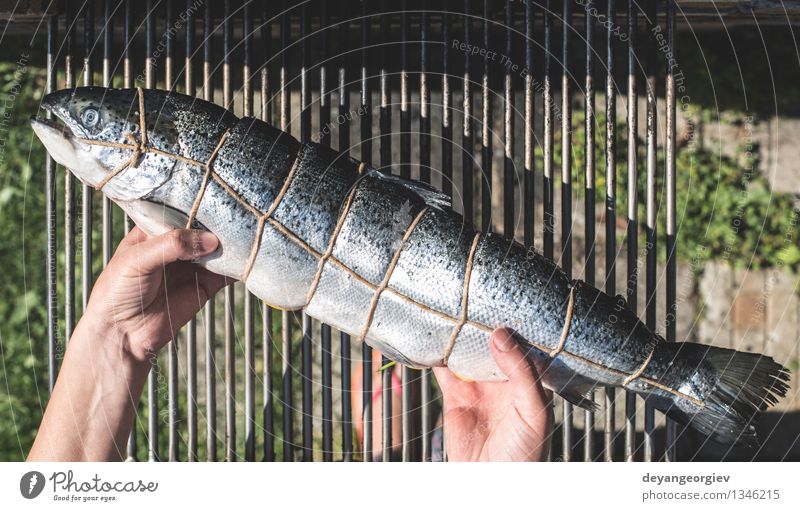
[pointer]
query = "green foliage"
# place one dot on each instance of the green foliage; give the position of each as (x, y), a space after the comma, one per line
(725, 207)
(23, 335)
(730, 214)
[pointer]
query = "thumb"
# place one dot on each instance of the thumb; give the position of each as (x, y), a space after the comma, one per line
(176, 245)
(526, 387)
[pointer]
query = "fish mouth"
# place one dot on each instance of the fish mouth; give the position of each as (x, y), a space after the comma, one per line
(54, 123)
(59, 141)
(66, 149)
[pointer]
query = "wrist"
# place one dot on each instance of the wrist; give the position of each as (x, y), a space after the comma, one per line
(110, 341)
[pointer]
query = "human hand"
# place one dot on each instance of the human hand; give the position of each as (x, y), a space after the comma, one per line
(150, 288)
(146, 293)
(497, 421)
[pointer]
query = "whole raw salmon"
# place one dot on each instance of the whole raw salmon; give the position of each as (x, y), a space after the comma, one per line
(383, 258)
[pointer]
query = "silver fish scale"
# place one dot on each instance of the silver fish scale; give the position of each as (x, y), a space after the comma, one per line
(218, 212)
(341, 299)
(267, 154)
(472, 358)
(380, 213)
(182, 189)
(199, 128)
(518, 289)
(436, 253)
(413, 334)
(606, 332)
(323, 178)
(236, 225)
(282, 272)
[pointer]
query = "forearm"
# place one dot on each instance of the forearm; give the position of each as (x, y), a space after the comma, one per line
(91, 411)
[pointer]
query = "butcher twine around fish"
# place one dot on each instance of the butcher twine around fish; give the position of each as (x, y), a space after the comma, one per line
(383, 258)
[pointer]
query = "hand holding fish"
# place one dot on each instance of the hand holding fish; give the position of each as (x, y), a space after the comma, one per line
(498, 421)
(150, 288)
(148, 291)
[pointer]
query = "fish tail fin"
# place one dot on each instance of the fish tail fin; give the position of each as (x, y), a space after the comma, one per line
(730, 390)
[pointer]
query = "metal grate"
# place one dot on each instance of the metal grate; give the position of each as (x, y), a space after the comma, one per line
(296, 59)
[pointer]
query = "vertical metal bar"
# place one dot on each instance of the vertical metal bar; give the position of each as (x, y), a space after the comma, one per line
(405, 110)
(127, 72)
(267, 339)
(69, 187)
(344, 339)
(325, 330)
(108, 32)
(508, 129)
(210, 309)
(447, 114)
(324, 94)
(467, 138)
(308, 412)
(191, 327)
(172, 351)
(152, 381)
(528, 199)
(486, 129)
(86, 190)
(549, 221)
(632, 240)
(169, 53)
(611, 209)
(652, 212)
(249, 299)
(286, 317)
(127, 82)
(327, 395)
(566, 193)
(191, 389)
(424, 106)
(366, 156)
(405, 171)
(286, 387)
(230, 320)
(385, 118)
(672, 270)
(589, 202)
(305, 136)
(268, 411)
(426, 391)
(50, 214)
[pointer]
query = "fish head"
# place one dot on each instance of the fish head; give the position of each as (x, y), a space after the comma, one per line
(94, 132)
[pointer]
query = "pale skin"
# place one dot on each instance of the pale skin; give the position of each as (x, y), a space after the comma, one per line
(498, 421)
(150, 289)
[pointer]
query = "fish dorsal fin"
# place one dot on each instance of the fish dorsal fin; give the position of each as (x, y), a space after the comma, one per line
(432, 196)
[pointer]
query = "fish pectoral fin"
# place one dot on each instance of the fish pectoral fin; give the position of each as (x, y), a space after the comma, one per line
(579, 396)
(155, 218)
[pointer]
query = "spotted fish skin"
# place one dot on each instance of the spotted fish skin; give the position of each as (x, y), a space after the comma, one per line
(385, 259)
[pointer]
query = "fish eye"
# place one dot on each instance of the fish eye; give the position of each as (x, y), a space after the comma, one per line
(90, 117)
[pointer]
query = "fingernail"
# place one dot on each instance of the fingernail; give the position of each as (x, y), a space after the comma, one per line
(208, 241)
(504, 342)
